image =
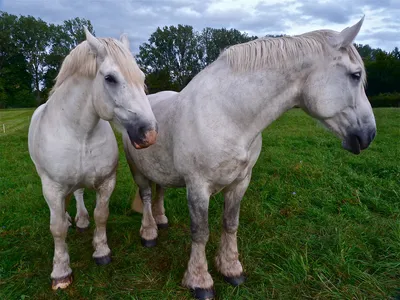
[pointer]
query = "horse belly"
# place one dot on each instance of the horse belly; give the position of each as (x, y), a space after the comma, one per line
(158, 169)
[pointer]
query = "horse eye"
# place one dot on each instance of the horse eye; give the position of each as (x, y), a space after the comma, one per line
(356, 76)
(110, 79)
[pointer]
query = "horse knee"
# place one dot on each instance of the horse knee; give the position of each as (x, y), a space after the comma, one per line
(200, 233)
(59, 229)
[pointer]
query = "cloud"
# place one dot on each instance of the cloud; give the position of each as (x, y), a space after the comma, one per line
(328, 11)
(140, 18)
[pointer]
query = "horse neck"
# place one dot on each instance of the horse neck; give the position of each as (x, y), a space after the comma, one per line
(72, 104)
(250, 101)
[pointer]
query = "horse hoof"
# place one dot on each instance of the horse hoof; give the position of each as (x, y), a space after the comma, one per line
(235, 280)
(162, 226)
(104, 260)
(79, 229)
(203, 294)
(61, 283)
(149, 243)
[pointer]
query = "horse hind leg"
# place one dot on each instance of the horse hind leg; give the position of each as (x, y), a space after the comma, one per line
(148, 229)
(142, 204)
(61, 275)
(82, 216)
(158, 208)
(227, 259)
(102, 253)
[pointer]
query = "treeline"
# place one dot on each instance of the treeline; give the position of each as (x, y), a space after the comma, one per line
(31, 53)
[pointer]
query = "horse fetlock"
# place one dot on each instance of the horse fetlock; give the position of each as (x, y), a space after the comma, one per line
(61, 275)
(82, 221)
(197, 278)
(161, 219)
(196, 275)
(101, 250)
(227, 266)
(100, 258)
(149, 232)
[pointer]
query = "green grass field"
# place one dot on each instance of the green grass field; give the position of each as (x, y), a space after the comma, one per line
(317, 222)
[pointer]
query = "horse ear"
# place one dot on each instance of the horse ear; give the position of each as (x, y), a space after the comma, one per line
(125, 41)
(346, 37)
(95, 45)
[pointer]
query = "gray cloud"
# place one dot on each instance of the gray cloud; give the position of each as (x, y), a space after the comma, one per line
(329, 11)
(140, 18)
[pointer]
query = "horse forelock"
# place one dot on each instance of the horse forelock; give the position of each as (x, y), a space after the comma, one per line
(283, 52)
(82, 62)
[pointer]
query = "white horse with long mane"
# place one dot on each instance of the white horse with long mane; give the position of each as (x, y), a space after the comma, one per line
(73, 145)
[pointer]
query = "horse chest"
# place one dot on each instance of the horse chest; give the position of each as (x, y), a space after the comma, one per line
(80, 162)
(97, 162)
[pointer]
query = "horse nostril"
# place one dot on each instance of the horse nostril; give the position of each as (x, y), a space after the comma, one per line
(142, 130)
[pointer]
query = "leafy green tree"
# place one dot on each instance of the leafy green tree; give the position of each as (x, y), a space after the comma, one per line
(33, 40)
(396, 53)
(158, 81)
(15, 80)
(383, 73)
(172, 50)
(214, 41)
(63, 38)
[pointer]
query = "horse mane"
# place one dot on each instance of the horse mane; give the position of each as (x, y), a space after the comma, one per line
(81, 61)
(282, 52)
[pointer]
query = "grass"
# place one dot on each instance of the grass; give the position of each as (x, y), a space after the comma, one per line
(316, 223)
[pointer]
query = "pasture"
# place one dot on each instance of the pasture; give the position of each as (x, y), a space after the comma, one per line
(317, 222)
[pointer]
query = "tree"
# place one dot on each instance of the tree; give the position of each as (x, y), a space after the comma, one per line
(33, 40)
(396, 53)
(158, 81)
(383, 73)
(15, 80)
(214, 41)
(63, 38)
(172, 50)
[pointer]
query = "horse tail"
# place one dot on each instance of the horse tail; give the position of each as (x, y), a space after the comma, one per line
(137, 204)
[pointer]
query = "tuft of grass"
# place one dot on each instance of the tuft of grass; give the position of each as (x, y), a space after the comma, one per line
(316, 223)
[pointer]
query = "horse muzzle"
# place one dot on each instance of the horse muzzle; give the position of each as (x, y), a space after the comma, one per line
(142, 136)
(360, 140)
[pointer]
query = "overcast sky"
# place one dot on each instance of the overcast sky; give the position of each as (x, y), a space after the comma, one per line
(139, 18)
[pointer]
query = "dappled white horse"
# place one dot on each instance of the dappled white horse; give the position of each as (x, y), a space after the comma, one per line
(210, 133)
(73, 145)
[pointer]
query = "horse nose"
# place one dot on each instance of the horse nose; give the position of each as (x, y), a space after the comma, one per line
(142, 135)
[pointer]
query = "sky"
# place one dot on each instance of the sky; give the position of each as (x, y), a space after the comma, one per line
(140, 18)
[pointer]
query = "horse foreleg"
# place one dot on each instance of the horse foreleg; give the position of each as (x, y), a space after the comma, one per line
(102, 253)
(142, 204)
(158, 208)
(197, 278)
(82, 216)
(227, 259)
(61, 274)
